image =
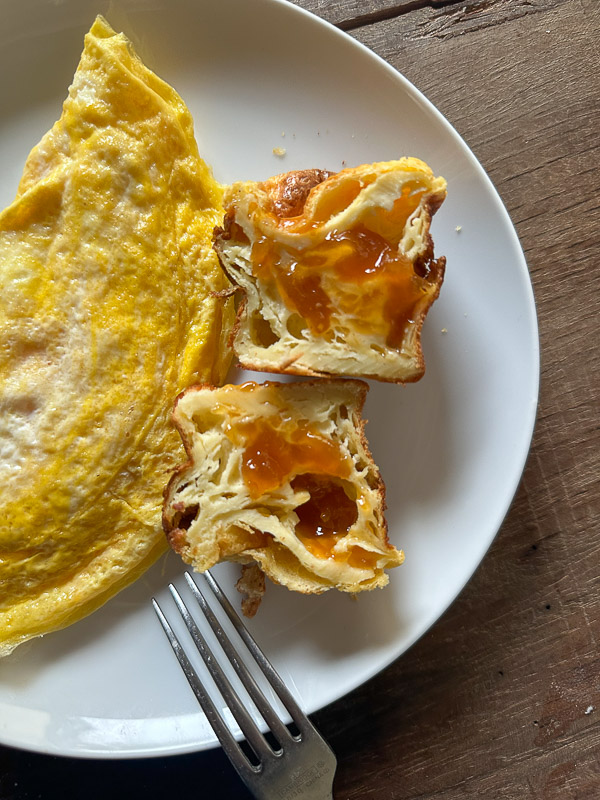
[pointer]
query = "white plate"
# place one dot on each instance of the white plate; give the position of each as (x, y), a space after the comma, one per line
(450, 448)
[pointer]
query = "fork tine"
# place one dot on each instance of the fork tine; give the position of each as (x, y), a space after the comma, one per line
(300, 719)
(242, 717)
(304, 767)
(276, 726)
(224, 735)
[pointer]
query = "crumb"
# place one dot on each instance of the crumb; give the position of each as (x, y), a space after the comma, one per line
(283, 133)
(251, 586)
(444, 330)
(458, 228)
(279, 151)
(343, 162)
(589, 709)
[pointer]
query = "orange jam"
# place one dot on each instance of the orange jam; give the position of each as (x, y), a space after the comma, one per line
(356, 272)
(331, 202)
(327, 516)
(273, 455)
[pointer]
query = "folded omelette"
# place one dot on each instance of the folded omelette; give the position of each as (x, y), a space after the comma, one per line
(107, 311)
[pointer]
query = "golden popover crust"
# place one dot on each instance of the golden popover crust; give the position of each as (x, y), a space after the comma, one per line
(336, 271)
(280, 474)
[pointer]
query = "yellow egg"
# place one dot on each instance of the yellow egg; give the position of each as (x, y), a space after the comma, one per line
(106, 313)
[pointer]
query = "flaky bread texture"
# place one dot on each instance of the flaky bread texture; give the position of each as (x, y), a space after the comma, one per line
(210, 514)
(297, 212)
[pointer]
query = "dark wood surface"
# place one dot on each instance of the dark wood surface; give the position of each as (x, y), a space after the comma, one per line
(502, 697)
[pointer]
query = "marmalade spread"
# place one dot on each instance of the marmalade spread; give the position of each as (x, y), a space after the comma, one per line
(294, 451)
(356, 272)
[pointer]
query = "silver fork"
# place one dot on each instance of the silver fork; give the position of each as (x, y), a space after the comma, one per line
(302, 766)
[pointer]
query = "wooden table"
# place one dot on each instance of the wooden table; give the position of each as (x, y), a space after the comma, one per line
(502, 697)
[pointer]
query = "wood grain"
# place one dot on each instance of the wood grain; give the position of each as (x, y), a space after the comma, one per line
(348, 14)
(351, 14)
(502, 697)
